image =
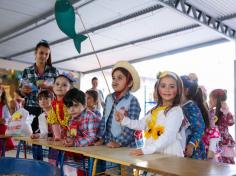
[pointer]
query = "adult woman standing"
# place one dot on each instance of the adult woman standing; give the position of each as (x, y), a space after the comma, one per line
(37, 77)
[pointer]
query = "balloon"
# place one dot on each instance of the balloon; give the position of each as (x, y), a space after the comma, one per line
(65, 18)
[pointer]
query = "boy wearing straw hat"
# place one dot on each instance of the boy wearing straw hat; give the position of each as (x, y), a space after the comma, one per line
(125, 79)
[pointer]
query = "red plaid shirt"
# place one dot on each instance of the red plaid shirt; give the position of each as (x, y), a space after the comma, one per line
(83, 129)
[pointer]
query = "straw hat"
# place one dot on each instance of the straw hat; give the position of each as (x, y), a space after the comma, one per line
(136, 79)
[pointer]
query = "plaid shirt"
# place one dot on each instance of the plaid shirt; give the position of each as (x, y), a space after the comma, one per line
(31, 74)
(127, 138)
(87, 127)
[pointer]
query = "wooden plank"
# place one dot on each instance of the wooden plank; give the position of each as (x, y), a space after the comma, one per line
(158, 163)
(186, 167)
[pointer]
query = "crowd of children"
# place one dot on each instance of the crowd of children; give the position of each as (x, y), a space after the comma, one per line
(181, 124)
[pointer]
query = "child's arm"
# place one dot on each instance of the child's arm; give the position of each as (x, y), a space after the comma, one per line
(127, 134)
(132, 124)
(173, 122)
(227, 118)
(197, 126)
(101, 128)
(90, 137)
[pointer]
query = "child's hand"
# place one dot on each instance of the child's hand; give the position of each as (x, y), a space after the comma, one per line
(26, 89)
(35, 136)
(113, 144)
(224, 108)
(99, 142)
(119, 117)
(136, 152)
(68, 143)
(210, 154)
(189, 150)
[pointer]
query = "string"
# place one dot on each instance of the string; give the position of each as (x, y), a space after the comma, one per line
(100, 66)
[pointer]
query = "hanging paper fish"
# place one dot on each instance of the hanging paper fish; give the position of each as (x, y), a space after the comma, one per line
(65, 17)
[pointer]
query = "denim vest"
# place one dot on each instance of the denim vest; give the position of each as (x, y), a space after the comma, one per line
(122, 106)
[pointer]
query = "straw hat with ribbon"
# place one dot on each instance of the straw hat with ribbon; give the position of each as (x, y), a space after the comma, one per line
(135, 76)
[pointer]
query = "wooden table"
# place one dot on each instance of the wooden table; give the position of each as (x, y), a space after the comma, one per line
(158, 163)
(3, 140)
(186, 167)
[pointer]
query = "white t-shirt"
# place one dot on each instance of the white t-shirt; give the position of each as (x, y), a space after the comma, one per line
(43, 125)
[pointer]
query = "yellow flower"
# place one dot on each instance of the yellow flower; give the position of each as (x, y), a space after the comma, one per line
(73, 132)
(54, 117)
(16, 116)
(151, 124)
(158, 131)
(148, 133)
(163, 74)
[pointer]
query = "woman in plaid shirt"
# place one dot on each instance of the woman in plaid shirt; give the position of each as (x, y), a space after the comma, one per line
(35, 77)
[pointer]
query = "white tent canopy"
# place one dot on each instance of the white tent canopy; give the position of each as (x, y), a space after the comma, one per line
(132, 30)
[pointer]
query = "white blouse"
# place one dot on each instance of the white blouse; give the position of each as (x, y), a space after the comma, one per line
(170, 141)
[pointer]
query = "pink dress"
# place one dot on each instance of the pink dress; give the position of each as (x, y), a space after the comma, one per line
(227, 142)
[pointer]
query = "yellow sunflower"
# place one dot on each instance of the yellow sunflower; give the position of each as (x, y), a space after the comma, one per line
(148, 133)
(157, 131)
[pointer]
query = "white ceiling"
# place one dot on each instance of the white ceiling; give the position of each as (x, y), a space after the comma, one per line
(22, 26)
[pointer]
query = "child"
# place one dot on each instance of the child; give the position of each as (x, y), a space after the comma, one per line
(83, 124)
(58, 115)
(211, 136)
(124, 79)
(162, 124)
(197, 115)
(92, 100)
(223, 119)
(17, 102)
(45, 98)
(4, 117)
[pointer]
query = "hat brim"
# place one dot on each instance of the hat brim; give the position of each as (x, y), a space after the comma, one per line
(136, 79)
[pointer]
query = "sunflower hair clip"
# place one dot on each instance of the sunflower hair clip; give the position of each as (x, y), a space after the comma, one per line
(158, 75)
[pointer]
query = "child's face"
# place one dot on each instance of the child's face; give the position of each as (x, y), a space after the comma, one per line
(42, 55)
(61, 86)
(76, 109)
(167, 89)
(119, 81)
(212, 102)
(45, 102)
(90, 101)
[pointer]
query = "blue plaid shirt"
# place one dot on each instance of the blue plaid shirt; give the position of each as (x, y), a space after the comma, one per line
(127, 138)
(31, 74)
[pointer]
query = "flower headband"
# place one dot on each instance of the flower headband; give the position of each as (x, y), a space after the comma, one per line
(69, 76)
(166, 73)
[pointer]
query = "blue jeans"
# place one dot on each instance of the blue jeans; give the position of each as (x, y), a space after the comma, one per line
(37, 152)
